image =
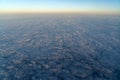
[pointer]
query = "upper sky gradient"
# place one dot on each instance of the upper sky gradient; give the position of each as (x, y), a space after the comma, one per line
(97, 6)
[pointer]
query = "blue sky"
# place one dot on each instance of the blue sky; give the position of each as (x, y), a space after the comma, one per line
(60, 5)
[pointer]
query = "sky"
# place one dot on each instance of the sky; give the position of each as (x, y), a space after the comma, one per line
(36, 6)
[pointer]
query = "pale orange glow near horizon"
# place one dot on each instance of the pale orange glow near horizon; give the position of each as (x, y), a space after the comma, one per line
(60, 6)
(20, 11)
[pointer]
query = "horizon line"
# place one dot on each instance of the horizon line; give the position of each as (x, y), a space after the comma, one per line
(61, 12)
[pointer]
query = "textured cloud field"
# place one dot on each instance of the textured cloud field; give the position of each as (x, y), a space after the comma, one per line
(59, 47)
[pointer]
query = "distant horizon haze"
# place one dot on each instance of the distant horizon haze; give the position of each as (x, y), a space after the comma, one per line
(60, 6)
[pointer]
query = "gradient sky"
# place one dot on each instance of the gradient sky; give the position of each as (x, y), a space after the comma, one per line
(105, 6)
